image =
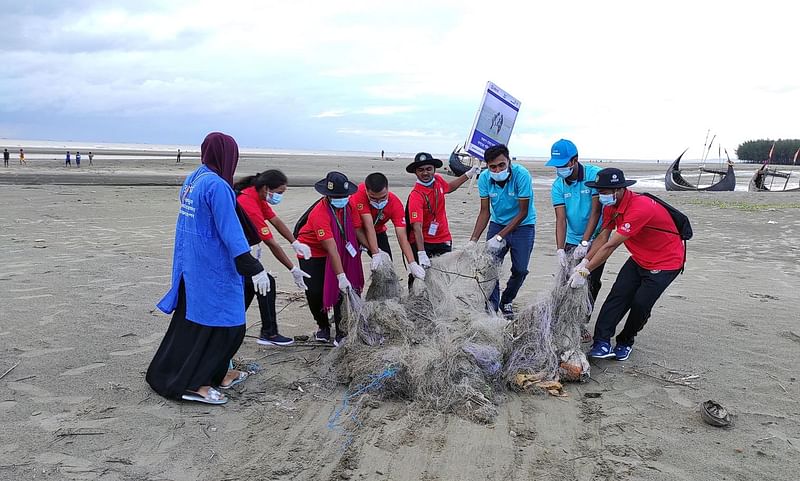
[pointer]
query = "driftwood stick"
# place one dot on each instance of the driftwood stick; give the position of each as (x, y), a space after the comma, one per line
(664, 380)
(9, 370)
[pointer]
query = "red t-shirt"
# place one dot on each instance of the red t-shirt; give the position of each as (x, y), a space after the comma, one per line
(320, 226)
(257, 210)
(393, 211)
(652, 249)
(426, 205)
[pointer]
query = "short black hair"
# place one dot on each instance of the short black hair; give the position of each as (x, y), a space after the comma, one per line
(495, 151)
(376, 182)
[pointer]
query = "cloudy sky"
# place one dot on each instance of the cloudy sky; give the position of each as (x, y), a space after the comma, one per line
(622, 79)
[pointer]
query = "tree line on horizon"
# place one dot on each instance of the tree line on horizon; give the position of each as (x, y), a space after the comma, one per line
(757, 151)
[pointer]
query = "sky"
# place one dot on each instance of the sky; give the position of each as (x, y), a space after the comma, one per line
(636, 80)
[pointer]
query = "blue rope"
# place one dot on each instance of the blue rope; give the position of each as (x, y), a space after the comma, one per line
(376, 381)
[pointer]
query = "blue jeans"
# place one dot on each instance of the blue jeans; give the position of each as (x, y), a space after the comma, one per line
(520, 243)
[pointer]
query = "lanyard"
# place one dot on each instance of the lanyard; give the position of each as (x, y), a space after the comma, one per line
(377, 218)
(435, 201)
(342, 233)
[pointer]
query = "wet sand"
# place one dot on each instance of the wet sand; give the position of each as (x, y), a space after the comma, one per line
(83, 265)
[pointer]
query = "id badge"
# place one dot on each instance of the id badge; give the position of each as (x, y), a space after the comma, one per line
(433, 228)
(350, 249)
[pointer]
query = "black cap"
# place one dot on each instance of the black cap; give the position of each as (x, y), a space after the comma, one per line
(610, 178)
(335, 184)
(423, 158)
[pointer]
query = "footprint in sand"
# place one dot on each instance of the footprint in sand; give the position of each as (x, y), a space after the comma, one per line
(131, 352)
(80, 370)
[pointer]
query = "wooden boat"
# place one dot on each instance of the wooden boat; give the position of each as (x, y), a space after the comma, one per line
(763, 179)
(675, 181)
(460, 161)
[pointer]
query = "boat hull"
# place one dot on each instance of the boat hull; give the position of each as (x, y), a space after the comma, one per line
(674, 181)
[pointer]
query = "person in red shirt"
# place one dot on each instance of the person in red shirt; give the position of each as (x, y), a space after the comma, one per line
(377, 206)
(255, 194)
(657, 257)
(330, 228)
(426, 208)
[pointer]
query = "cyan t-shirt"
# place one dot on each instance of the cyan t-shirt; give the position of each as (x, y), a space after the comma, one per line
(504, 201)
(576, 198)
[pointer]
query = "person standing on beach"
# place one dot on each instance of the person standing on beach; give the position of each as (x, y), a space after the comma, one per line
(210, 257)
(377, 206)
(657, 256)
(22, 157)
(6, 156)
(67, 160)
(382, 155)
(329, 228)
(426, 209)
(256, 194)
(507, 207)
(77, 159)
(91, 156)
(578, 211)
(179, 157)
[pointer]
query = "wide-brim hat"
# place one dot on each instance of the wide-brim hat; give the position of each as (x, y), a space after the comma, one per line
(561, 153)
(335, 184)
(610, 178)
(423, 158)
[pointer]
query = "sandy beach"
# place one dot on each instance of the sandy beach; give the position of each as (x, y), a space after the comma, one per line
(84, 260)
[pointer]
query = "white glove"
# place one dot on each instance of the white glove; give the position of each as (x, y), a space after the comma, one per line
(562, 257)
(379, 258)
(416, 270)
(495, 245)
(476, 169)
(424, 260)
(302, 249)
(470, 244)
(344, 284)
(580, 252)
(299, 275)
(579, 275)
(261, 283)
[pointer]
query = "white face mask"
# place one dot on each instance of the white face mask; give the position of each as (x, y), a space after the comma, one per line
(500, 176)
(379, 204)
(426, 184)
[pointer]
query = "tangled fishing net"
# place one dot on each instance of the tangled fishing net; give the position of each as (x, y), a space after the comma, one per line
(441, 350)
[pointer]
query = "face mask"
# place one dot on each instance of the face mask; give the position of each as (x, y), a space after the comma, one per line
(564, 172)
(426, 184)
(379, 205)
(340, 203)
(500, 176)
(608, 199)
(274, 198)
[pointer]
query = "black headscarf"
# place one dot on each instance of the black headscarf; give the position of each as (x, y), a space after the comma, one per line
(220, 153)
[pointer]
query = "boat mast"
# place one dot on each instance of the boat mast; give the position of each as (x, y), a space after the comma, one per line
(705, 156)
(794, 161)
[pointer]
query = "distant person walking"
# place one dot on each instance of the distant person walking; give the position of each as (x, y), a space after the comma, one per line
(179, 157)
(77, 159)
(6, 156)
(22, 157)
(382, 153)
(91, 156)
(67, 160)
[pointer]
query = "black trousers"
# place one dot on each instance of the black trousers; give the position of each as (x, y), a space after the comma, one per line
(635, 292)
(266, 306)
(433, 250)
(594, 277)
(315, 267)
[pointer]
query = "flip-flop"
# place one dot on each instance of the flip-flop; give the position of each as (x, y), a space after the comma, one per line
(213, 397)
(243, 375)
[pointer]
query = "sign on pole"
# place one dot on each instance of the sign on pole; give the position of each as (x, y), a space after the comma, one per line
(494, 122)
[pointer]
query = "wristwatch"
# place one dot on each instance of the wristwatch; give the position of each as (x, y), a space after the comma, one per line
(585, 243)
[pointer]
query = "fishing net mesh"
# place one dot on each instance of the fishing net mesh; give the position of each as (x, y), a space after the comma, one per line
(440, 349)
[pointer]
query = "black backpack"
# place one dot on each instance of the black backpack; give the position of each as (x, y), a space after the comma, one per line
(304, 218)
(683, 228)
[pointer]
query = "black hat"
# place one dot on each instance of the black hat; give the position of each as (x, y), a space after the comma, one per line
(610, 178)
(335, 184)
(423, 158)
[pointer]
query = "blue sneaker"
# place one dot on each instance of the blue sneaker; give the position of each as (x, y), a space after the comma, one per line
(323, 335)
(622, 352)
(276, 340)
(339, 339)
(601, 350)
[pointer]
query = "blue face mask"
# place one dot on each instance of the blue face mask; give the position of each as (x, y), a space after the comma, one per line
(379, 205)
(340, 203)
(564, 172)
(500, 176)
(274, 198)
(426, 184)
(608, 199)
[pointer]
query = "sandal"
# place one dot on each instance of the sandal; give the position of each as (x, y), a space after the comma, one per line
(212, 397)
(243, 375)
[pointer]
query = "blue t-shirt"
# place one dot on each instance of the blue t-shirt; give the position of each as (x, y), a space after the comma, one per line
(576, 198)
(504, 201)
(208, 237)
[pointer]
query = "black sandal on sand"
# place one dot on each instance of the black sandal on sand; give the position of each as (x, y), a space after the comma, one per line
(213, 397)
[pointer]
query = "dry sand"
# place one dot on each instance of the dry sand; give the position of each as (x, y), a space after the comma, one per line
(81, 267)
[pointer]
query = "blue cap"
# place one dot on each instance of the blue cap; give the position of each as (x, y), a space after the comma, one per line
(561, 153)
